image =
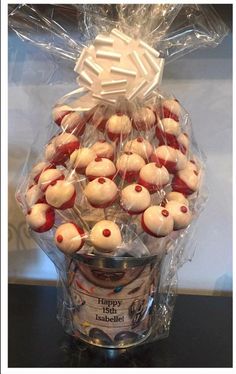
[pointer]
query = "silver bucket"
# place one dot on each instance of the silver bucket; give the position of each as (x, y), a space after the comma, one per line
(113, 298)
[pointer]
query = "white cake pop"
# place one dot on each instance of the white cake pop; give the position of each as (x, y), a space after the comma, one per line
(105, 236)
(101, 192)
(69, 238)
(140, 146)
(171, 109)
(39, 168)
(40, 217)
(167, 131)
(129, 165)
(143, 119)
(59, 112)
(61, 195)
(100, 167)
(103, 149)
(180, 213)
(186, 181)
(118, 127)
(49, 177)
(153, 176)
(135, 199)
(34, 196)
(73, 122)
(157, 221)
(80, 159)
(166, 156)
(60, 148)
(183, 141)
(177, 196)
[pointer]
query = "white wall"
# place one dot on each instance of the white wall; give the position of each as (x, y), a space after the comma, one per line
(202, 82)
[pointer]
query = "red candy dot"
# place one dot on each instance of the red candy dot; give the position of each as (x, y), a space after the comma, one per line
(165, 213)
(29, 211)
(183, 209)
(138, 188)
(158, 165)
(102, 141)
(195, 172)
(119, 114)
(59, 238)
(97, 159)
(101, 180)
(184, 133)
(53, 183)
(128, 153)
(106, 233)
(193, 162)
(139, 139)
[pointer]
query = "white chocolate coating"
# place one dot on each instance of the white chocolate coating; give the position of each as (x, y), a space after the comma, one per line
(177, 196)
(33, 195)
(192, 165)
(140, 146)
(183, 139)
(70, 121)
(49, 176)
(106, 236)
(130, 162)
(157, 222)
(181, 160)
(100, 167)
(135, 198)
(190, 177)
(119, 124)
(37, 216)
(166, 153)
(169, 126)
(103, 149)
(144, 118)
(81, 157)
(173, 106)
(180, 213)
(69, 238)
(38, 168)
(153, 174)
(101, 191)
(64, 138)
(60, 193)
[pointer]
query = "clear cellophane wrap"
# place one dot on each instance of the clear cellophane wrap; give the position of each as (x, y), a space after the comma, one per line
(113, 198)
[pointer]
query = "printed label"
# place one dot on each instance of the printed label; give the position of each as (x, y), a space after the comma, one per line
(113, 305)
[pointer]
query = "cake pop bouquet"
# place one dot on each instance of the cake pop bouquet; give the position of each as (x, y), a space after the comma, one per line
(114, 196)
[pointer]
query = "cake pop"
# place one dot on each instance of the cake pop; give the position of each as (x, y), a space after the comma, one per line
(34, 196)
(103, 149)
(153, 176)
(183, 141)
(186, 181)
(118, 127)
(157, 221)
(105, 236)
(180, 213)
(40, 217)
(59, 112)
(167, 131)
(73, 122)
(143, 119)
(171, 109)
(129, 165)
(61, 147)
(140, 146)
(61, 195)
(69, 238)
(101, 192)
(39, 168)
(135, 199)
(166, 156)
(49, 177)
(177, 196)
(100, 167)
(80, 159)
